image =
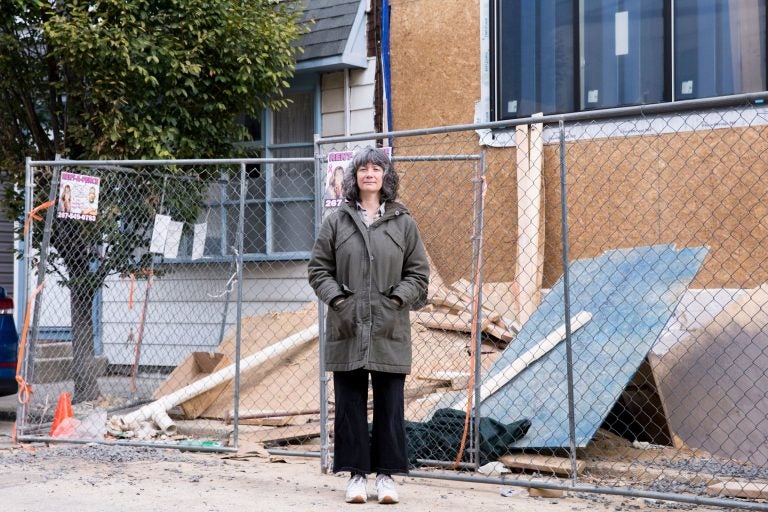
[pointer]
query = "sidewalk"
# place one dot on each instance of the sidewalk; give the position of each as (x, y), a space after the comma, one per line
(8, 407)
(94, 478)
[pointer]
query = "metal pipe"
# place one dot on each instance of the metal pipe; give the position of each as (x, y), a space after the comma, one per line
(696, 500)
(437, 158)
(477, 292)
(294, 453)
(639, 110)
(567, 306)
(132, 444)
(42, 264)
(322, 374)
(145, 305)
(239, 307)
(181, 161)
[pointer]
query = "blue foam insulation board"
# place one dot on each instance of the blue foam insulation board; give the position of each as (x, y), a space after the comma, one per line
(631, 294)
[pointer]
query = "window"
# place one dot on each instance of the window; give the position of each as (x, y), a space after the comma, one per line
(280, 198)
(536, 36)
(558, 56)
(719, 48)
(622, 53)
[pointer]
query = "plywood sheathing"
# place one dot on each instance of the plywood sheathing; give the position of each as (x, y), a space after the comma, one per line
(288, 381)
(426, 188)
(696, 188)
(688, 189)
(426, 91)
(712, 381)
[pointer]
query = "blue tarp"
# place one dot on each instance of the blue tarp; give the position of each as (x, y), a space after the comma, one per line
(631, 294)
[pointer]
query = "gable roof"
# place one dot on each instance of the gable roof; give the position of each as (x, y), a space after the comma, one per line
(337, 35)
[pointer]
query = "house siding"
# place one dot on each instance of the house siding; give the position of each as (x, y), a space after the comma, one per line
(185, 309)
(361, 101)
(6, 251)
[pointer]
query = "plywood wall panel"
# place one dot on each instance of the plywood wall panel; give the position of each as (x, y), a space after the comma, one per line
(435, 60)
(700, 188)
(707, 187)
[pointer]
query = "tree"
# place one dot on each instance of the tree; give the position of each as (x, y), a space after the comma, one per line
(136, 79)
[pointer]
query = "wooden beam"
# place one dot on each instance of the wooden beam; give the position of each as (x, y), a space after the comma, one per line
(528, 269)
(542, 463)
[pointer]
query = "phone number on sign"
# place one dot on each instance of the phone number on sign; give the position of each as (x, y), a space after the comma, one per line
(76, 216)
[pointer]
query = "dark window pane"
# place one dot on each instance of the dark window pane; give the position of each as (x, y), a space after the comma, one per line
(292, 226)
(535, 55)
(215, 217)
(293, 179)
(252, 127)
(255, 240)
(296, 122)
(719, 47)
(623, 53)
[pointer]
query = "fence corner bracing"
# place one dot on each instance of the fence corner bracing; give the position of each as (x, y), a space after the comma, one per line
(597, 304)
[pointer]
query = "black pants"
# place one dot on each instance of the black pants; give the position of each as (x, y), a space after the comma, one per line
(385, 450)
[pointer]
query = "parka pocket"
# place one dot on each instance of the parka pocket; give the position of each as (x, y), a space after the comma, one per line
(342, 320)
(391, 321)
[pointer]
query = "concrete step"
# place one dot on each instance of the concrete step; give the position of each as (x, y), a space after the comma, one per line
(53, 362)
(53, 349)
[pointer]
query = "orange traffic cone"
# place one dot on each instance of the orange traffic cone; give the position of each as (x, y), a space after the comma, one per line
(63, 411)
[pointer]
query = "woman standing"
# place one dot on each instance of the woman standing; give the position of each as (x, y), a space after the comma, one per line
(369, 265)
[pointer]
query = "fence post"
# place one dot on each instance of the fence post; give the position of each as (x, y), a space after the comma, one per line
(322, 378)
(567, 304)
(239, 319)
(477, 310)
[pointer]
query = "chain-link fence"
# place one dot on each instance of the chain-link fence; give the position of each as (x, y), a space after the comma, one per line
(637, 368)
(638, 371)
(169, 287)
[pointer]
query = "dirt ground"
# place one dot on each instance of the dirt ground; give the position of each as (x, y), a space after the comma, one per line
(89, 478)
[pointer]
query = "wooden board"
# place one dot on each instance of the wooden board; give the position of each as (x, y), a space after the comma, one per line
(281, 433)
(528, 269)
(711, 382)
(739, 489)
(542, 463)
(538, 492)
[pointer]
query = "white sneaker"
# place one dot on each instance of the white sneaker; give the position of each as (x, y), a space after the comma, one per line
(385, 487)
(356, 489)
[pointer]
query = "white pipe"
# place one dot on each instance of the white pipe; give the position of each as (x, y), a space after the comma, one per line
(157, 409)
(511, 371)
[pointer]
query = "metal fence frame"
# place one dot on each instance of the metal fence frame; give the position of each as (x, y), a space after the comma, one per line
(573, 484)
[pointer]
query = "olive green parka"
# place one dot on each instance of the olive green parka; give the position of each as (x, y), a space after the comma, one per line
(369, 266)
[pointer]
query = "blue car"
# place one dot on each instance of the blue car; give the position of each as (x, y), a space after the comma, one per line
(9, 345)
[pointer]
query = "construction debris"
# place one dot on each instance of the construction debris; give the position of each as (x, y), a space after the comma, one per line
(706, 375)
